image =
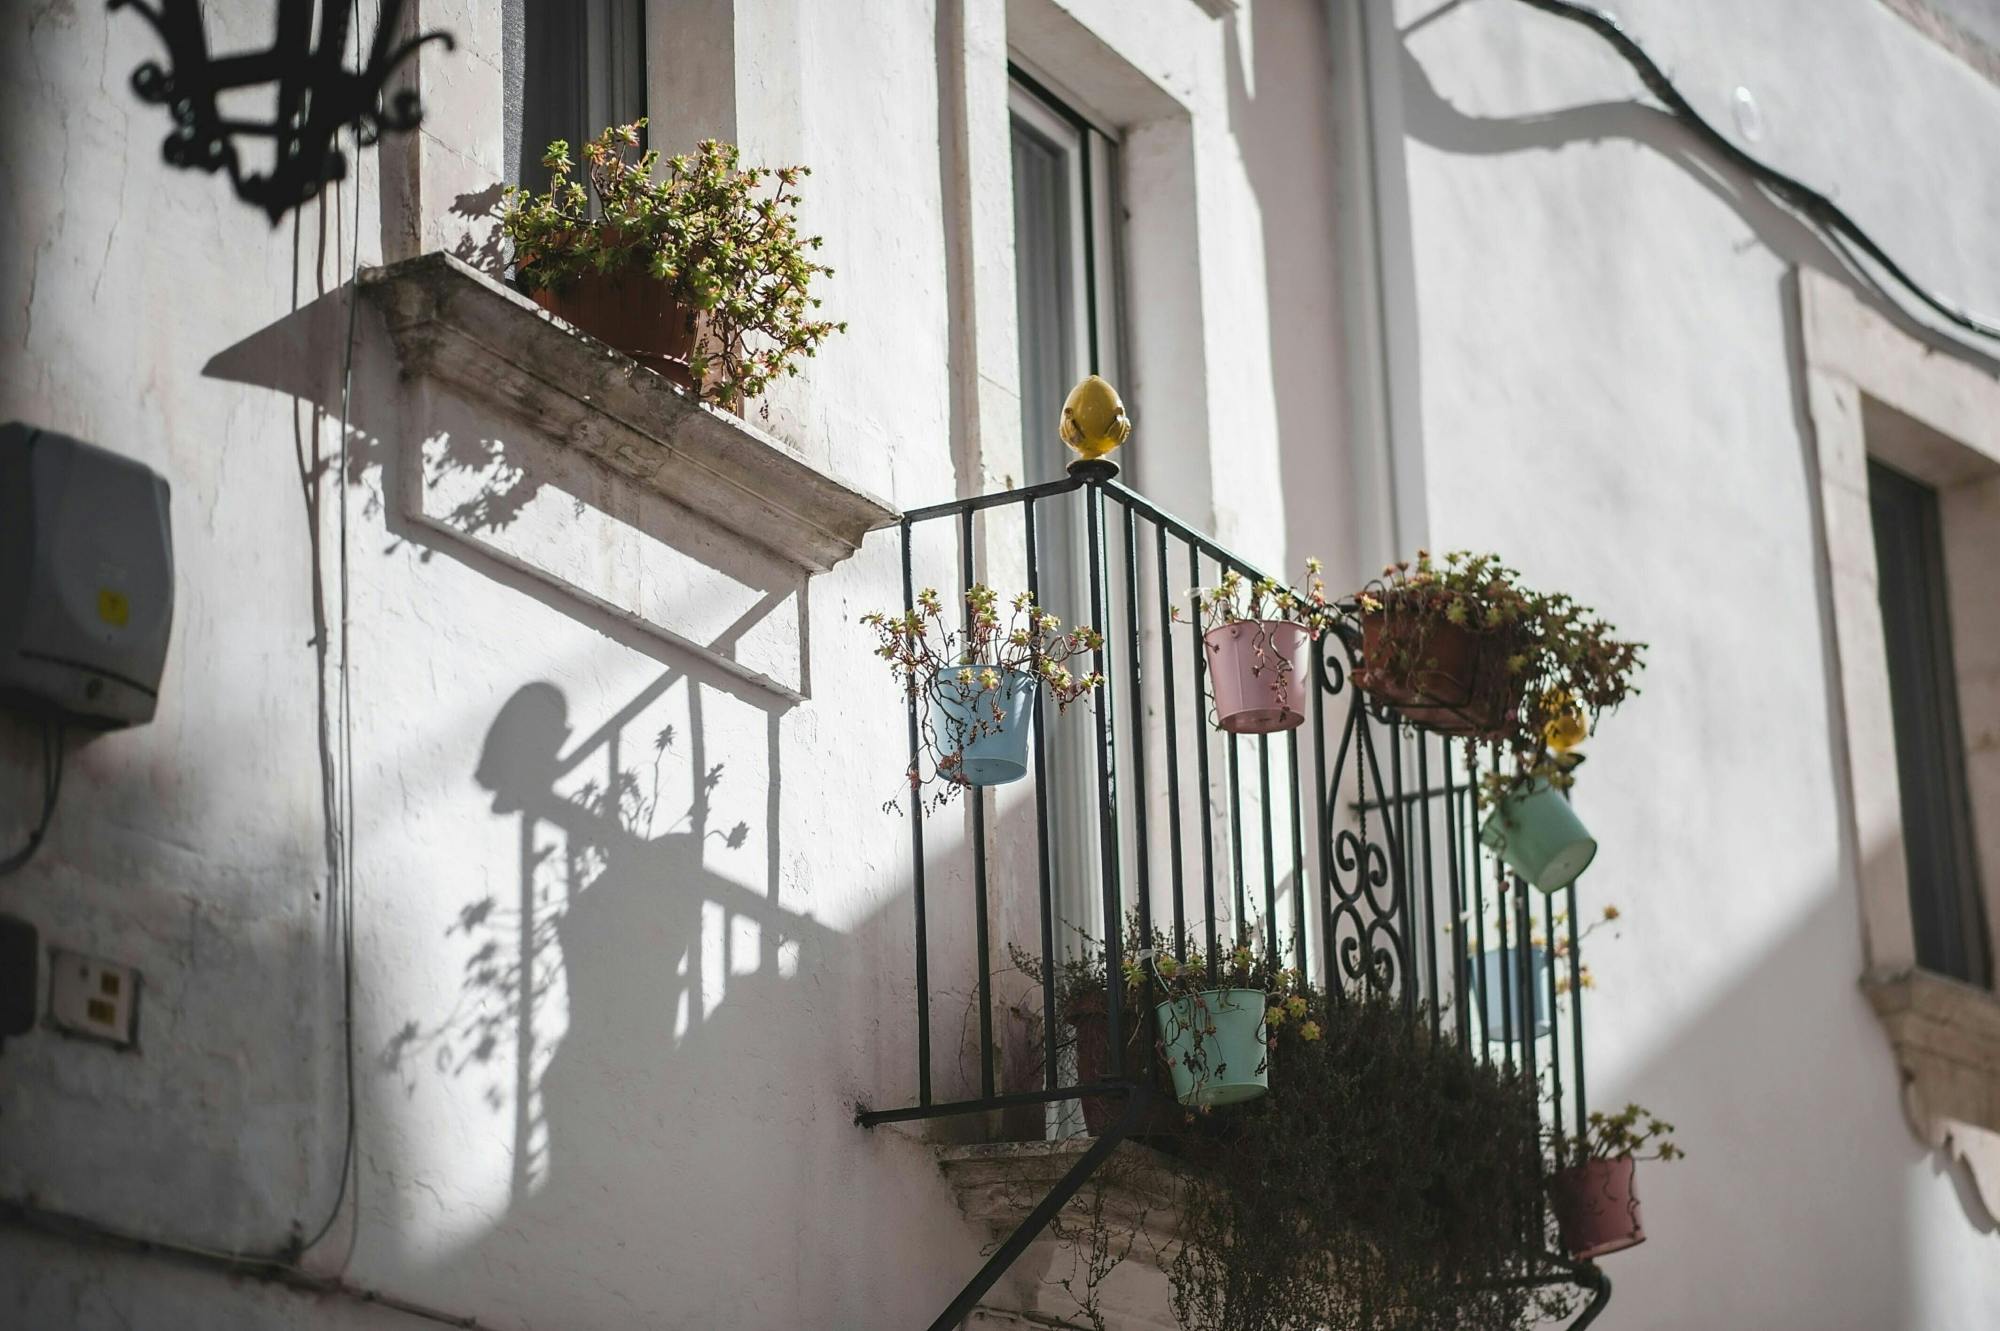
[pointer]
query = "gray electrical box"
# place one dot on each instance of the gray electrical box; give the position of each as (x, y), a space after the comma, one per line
(86, 579)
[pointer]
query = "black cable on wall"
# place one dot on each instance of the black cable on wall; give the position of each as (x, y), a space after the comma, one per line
(1841, 230)
(52, 773)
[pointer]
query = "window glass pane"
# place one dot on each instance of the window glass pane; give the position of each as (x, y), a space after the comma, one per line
(570, 68)
(1045, 294)
(1945, 906)
(1051, 284)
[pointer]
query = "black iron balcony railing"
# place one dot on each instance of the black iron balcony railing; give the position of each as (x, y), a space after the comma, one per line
(1163, 819)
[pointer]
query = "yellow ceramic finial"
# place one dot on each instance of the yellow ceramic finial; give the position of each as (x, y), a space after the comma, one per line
(1093, 419)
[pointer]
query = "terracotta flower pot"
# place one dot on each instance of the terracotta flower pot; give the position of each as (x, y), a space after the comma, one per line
(1458, 687)
(1258, 671)
(1093, 1059)
(1596, 1209)
(633, 312)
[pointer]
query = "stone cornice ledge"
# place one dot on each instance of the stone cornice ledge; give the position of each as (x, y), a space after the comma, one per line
(453, 323)
(998, 1183)
(1947, 1040)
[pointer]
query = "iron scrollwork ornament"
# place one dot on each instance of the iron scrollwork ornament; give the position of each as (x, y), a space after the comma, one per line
(316, 94)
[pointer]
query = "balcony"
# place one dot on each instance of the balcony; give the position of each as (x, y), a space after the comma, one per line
(1346, 849)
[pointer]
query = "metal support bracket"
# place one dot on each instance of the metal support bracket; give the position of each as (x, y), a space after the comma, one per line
(1137, 1101)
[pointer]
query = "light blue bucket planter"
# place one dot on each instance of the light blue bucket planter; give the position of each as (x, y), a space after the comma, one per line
(1540, 837)
(1495, 978)
(987, 728)
(1214, 1043)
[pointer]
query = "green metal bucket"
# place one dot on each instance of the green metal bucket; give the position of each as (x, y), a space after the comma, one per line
(1540, 837)
(1214, 1042)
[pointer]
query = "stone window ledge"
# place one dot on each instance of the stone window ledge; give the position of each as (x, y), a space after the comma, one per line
(450, 322)
(1946, 1035)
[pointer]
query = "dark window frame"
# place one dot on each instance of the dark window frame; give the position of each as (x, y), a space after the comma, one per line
(570, 69)
(1947, 906)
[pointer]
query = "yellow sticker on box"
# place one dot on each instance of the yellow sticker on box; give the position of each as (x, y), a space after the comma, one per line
(113, 607)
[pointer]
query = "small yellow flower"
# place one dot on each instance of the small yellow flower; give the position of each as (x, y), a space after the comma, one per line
(1309, 1031)
(1295, 1006)
(1565, 727)
(1274, 1016)
(1612, 912)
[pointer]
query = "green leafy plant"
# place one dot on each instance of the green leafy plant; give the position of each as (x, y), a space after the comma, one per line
(1236, 598)
(1633, 1131)
(970, 663)
(1389, 1180)
(723, 237)
(1560, 669)
(1152, 973)
(1499, 928)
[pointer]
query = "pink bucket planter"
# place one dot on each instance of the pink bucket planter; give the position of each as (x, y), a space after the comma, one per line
(1258, 671)
(1596, 1208)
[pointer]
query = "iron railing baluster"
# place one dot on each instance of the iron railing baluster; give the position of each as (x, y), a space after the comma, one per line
(1422, 808)
(1043, 874)
(1481, 972)
(1265, 816)
(1107, 790)
(1169, 707)
(1576, 1009)
(1200, 683)
(977, 799)
(1524, 952)
(1141, 793)
(1460, 933)
(916, 799)
(1324, 798)
(1231, 743)
(1297, 821)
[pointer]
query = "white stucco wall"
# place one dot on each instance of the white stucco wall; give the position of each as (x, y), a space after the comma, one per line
(659, 1132)
(607, 1054)
(1612, 392)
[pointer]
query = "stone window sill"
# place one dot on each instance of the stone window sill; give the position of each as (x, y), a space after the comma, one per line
(1946, 1035)
(449, 321)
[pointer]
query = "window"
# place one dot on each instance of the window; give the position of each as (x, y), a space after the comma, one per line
(1064, 262)
(570, 68)
(1066, 301)
(1945, 908)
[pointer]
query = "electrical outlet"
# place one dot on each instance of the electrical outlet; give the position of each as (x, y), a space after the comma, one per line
(98, 1000)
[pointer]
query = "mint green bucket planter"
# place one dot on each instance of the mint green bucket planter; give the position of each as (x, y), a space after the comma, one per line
(1214, 1042)
(1540, 837)
(987, 728)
